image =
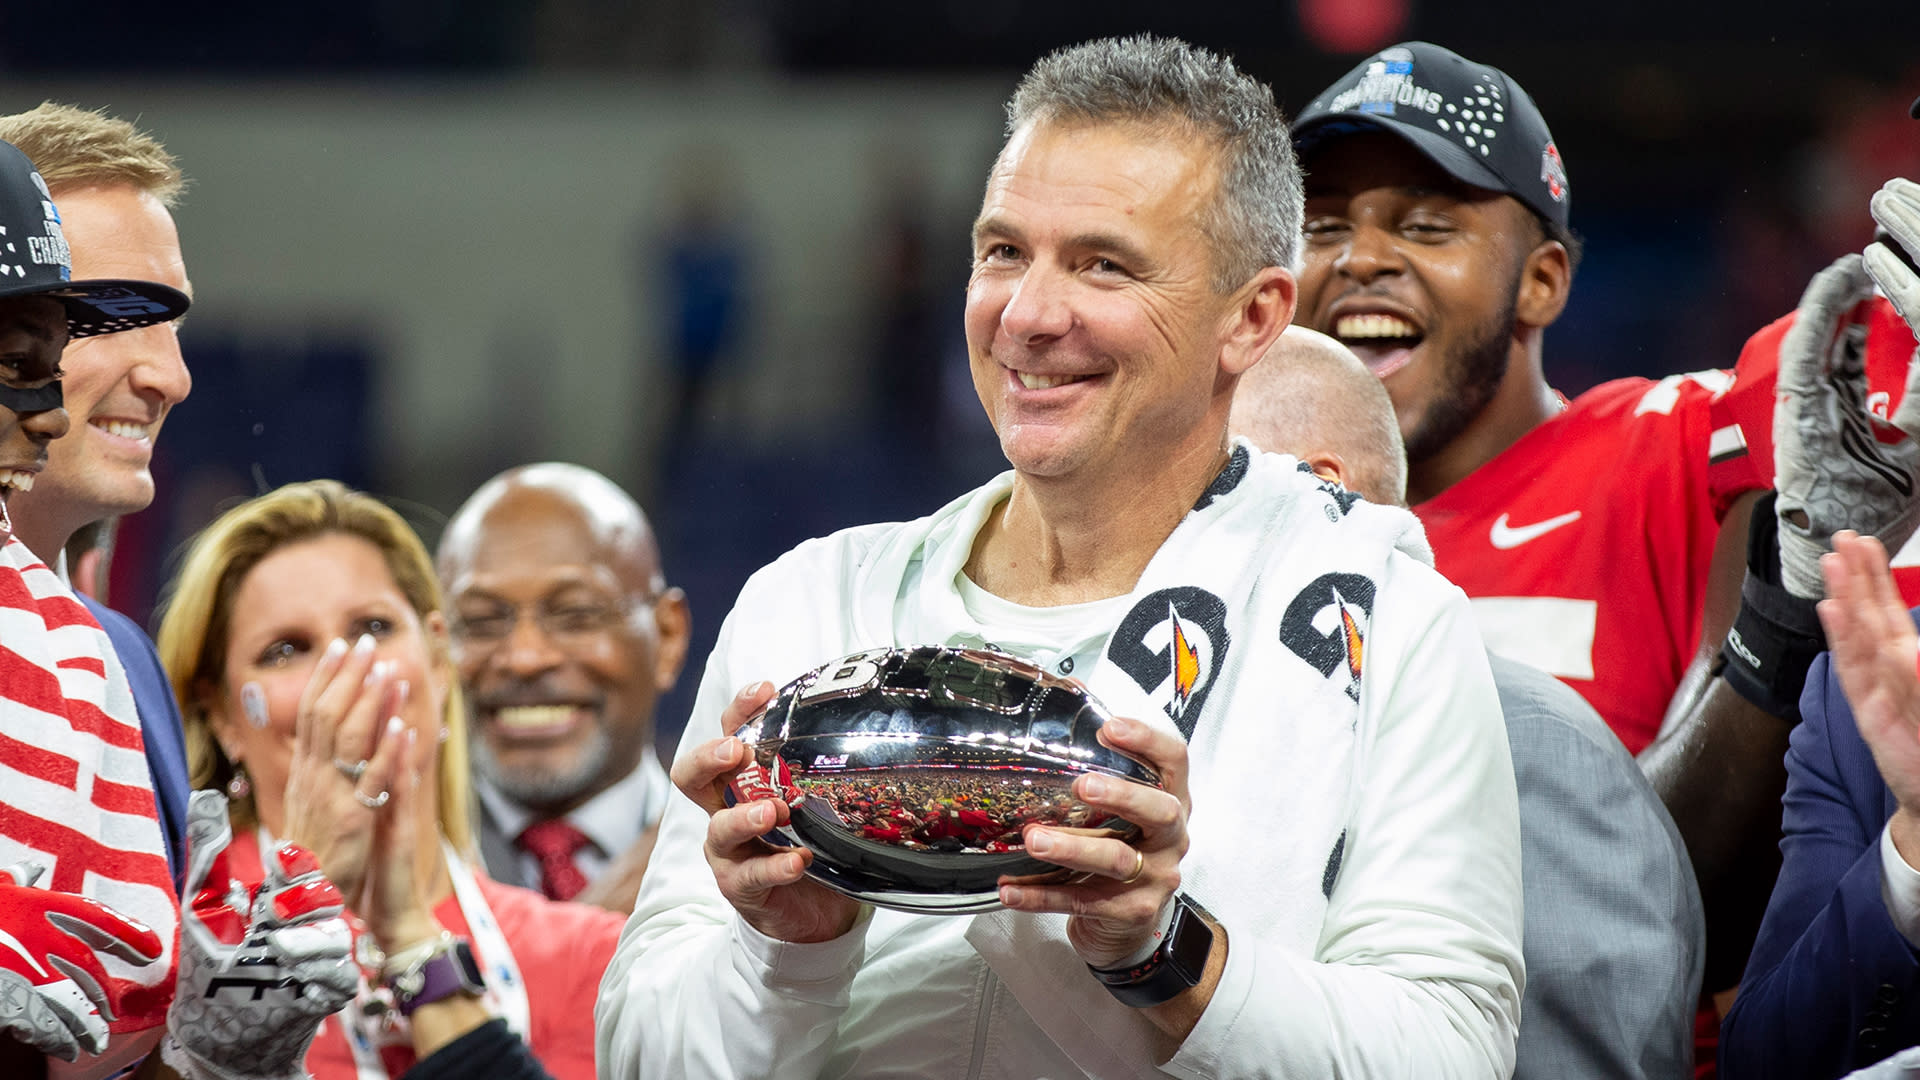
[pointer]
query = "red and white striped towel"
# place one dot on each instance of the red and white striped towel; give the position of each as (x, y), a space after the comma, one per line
(75, 790)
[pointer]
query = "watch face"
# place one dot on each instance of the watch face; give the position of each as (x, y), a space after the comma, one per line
(1192, 940)
(469, 968)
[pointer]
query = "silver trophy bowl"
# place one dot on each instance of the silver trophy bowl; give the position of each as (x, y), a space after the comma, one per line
(911, 773)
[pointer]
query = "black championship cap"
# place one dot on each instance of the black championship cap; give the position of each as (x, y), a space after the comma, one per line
(1469, 119)
(34, 261)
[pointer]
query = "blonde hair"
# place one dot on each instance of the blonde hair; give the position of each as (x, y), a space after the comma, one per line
(75, 148)
(199, 608)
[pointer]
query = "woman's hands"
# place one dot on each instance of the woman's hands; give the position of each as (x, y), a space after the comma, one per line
(396, 901)
(348, 741)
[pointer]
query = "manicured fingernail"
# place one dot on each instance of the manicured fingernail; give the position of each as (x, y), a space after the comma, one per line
(1010, 895)
(394, 725)
(750, 691)
(1039, 842)
(1095, 787)
(364, 645)
(445, 733)
(336, 649)
(253, 702)
(400, 692)
(760, 817)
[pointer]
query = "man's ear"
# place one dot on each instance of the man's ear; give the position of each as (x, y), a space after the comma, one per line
(673, 625)
(1327, 465)
(1262, 308)
(1545, 281)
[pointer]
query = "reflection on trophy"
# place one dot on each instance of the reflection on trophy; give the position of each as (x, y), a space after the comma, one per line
(912, 773)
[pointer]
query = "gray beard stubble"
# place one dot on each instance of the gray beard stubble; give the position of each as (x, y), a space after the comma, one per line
(542, 788)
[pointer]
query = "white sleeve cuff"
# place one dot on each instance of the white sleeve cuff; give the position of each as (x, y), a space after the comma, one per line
(820, 972)
(1900, 888)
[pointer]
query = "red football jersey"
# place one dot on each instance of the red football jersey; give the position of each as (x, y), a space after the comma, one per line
(1585, 545)
(1890, 346)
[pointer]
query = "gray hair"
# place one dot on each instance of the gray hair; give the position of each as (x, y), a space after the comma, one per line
(1255, 219)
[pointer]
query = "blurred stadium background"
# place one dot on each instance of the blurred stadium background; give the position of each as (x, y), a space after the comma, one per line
(717, 250)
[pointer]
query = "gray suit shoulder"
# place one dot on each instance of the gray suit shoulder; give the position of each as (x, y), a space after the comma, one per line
(1614, 926)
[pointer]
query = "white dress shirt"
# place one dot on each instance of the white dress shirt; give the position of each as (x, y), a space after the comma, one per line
(612, 820)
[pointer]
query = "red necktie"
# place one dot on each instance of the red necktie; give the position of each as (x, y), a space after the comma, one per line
(554, 842)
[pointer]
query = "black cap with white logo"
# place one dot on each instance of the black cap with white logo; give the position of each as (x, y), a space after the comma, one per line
(34, 261)
(1469, 119)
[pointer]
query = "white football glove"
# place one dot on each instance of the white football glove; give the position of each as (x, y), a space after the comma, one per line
(257, 972)
(1837, 466)
(1896, 207)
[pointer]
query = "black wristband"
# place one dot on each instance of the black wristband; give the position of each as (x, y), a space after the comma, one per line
(1776, 635)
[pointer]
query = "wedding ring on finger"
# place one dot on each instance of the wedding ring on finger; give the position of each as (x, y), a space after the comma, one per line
(372, 802)
(352, 770)
(1139, 865)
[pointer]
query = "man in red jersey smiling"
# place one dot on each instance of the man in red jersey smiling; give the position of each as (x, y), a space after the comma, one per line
(1601, 539)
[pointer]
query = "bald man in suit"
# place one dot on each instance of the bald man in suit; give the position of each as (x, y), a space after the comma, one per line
(1614, 939)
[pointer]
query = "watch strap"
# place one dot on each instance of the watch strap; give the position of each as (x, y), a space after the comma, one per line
(1160, 978)
(447, 971)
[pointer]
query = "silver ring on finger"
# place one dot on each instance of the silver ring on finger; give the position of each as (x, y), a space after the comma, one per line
(352, 770)
(372, 802)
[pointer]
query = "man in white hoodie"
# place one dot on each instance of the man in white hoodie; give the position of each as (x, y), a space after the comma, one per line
(1328, 881)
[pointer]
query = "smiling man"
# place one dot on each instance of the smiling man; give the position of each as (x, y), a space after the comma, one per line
(1132, 258)
(115, 187)
(1438, 249)
(566, 634)
(1604, 539)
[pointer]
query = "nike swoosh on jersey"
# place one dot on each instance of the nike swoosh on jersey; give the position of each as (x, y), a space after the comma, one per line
(1506, 538)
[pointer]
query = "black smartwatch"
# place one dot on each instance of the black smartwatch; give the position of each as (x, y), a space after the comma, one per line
(1174, 968)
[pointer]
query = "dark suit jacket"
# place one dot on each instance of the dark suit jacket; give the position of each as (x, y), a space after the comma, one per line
(1831, 985)
(159, 727)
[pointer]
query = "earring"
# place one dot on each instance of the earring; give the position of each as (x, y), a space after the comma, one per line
(239, 787)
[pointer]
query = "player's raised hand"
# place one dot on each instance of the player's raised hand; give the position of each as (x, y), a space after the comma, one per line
(259, 968)
(766, 884)
(1836, 465)
(1896, 207)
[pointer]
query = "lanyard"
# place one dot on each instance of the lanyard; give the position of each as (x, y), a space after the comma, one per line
(367, 1030)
